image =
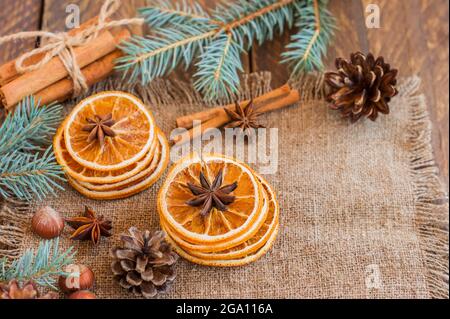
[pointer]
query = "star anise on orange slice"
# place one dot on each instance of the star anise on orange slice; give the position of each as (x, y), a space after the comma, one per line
(212, 195)
(244, 118)
(90, 226)
(99, 127)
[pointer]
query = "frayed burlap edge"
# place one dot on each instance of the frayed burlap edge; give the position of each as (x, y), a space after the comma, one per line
(431, 200)
(14, 215)
(168, 92)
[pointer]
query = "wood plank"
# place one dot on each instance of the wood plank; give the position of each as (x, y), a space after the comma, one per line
(16, 16)
(413, 49)
(54, 15)
(393, 39)
(266, 57)
(434, 17)
(55, 10)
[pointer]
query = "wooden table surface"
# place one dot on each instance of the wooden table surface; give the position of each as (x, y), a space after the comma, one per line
(413, 36)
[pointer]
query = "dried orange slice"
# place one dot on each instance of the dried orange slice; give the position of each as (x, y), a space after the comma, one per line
(109, 131)
(255, 242)
(145, 172)
(227, 262)
(87, 175)
(189, 222)
(134, 187)
(222, 245)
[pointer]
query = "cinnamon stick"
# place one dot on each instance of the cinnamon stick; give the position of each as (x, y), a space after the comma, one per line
(222, 118)
(8, 71)
(187, 121)
(54, 70)
(93, 73)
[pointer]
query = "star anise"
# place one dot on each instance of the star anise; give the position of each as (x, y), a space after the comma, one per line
(212, 195)
(244, 118)
(89, 226)
(99, 127)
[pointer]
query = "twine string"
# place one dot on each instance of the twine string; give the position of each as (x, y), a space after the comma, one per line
(62, 44)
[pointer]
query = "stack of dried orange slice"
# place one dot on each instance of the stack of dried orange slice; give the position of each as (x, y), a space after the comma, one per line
(110, 146)
(217, 211)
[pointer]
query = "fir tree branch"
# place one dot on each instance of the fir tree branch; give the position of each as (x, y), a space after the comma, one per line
(26, 175)
(310, 45)
(218, 67)
(162, 13)
(182, 36)
(25, 170)
(40, 266)
(176, 45)
(155, 56)
(265, 8)
(183, 32)
(29, 127)
(255, 20)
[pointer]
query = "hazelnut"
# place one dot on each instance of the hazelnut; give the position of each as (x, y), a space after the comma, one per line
(82, 294)
(47, 223)
(79, 277)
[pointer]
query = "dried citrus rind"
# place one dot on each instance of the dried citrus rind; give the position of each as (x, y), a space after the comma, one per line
(134, 187)
(87, 175)
(257, 240)
(218, 225)
(151, 167)
(134, 129)
(228, 262)
(222, 245)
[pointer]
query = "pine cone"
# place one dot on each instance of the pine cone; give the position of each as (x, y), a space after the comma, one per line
(145, 263)
(13, 290)
(362, 86)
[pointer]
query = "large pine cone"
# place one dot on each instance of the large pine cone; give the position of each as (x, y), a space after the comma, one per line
(145, 263)
(13, 290)
(362, 86)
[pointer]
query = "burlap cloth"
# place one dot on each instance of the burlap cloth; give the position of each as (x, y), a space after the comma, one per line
(363, 214)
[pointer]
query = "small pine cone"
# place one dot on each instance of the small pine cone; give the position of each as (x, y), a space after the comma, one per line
(13, 290)
(361, 87)
(145, 265)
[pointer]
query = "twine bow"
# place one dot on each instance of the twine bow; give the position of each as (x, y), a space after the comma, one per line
(62, 44)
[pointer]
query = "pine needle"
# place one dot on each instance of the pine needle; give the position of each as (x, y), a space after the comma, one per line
(156, 56)
(27, 175)
(218, 68)
(30, 126)
(161, 13)
(41, 266)
(309, 45)
(27, 166)
(185, 32)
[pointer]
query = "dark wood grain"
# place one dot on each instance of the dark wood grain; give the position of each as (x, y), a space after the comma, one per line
(54, 13)
(434, 25)
(16, 16)
(414, 38)
(351, 31)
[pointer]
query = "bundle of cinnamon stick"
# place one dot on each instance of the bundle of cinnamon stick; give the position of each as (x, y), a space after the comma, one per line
(217, 117)
(50, 82)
